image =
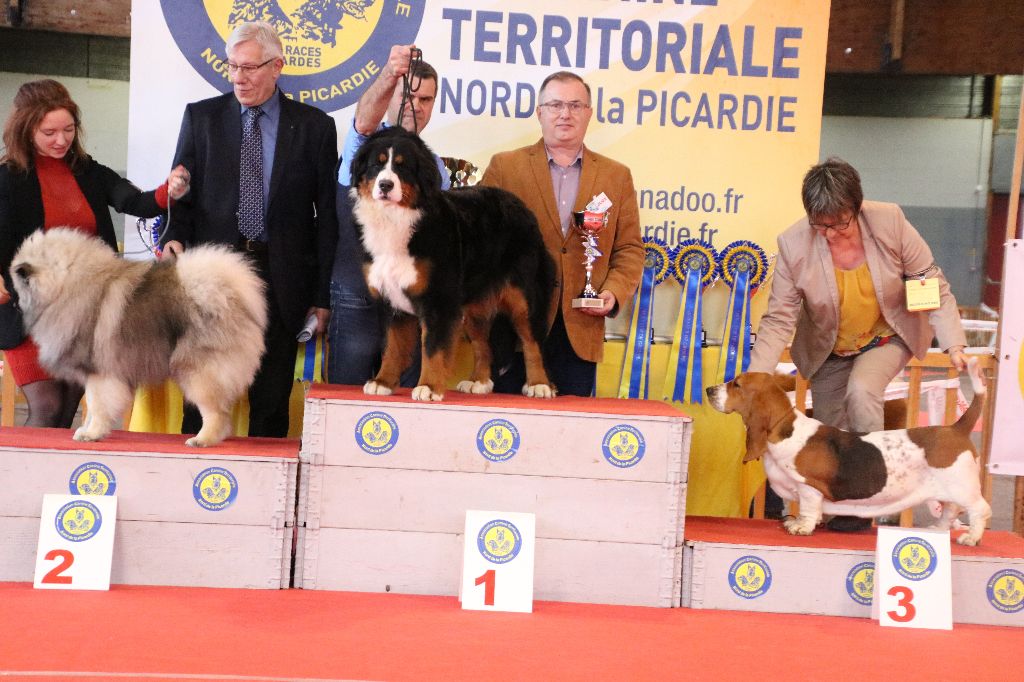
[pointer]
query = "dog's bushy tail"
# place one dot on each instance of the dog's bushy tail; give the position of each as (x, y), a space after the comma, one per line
(969, 418)
(541, 305)
(539, 294)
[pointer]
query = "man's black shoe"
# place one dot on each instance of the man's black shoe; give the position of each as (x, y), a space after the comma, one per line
(848, 524)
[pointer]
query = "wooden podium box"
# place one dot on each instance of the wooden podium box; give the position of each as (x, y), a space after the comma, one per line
(237, 534)
(824, 573)
(386, 483)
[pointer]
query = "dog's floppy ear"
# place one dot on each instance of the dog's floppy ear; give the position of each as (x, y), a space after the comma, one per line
(426, 169)
(757, 433)
(769, 415)
(357, 169)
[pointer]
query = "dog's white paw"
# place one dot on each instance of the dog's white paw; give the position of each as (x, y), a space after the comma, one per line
(424, 394)
(373, 388)
(478, 387)
(799, 526)
(538, 391)
(84, 435)
(968, 540)
(203, 441)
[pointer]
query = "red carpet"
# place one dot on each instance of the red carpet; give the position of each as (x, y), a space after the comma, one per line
(498, 401)
(142, 443)
(191, 633)
(772, 534)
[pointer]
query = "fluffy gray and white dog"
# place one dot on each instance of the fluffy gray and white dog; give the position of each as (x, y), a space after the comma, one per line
(111, 325)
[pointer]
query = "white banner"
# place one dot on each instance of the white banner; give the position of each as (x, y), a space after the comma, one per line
(715, 105)
(1007, 456)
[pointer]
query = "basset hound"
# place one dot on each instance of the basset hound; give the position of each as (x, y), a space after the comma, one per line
(829, 470)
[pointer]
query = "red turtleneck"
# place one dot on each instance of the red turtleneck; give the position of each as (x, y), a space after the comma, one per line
(63, 201)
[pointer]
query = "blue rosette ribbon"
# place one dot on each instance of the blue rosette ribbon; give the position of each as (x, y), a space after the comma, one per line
(311, 360)
(155, 233)
(694, 265)
(744, 267)
(636, 363)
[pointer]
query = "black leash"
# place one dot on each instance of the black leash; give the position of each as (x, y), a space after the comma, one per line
(411, 83)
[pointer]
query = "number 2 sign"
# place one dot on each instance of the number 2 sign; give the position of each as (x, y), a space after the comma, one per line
(76, 542)
(497, 563)
(913, 579)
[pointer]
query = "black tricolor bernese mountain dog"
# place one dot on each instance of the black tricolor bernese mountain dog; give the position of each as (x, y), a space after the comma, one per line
(444, 258)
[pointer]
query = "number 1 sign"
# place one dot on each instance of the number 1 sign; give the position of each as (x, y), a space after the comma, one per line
(497, 562)
(76, 542)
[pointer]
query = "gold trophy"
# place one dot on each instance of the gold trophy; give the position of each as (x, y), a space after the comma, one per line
(589, 224)
(462, 173)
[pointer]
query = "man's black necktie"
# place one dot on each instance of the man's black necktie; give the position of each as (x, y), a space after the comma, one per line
(250, 188)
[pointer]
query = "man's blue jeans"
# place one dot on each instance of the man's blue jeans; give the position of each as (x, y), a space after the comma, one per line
(355, 337)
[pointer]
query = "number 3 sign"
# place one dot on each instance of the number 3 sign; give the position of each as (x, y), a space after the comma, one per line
(497, 562)
(913, 579)
(76, 542)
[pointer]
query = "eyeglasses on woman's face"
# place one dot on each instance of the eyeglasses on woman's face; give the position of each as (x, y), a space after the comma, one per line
(838, 226)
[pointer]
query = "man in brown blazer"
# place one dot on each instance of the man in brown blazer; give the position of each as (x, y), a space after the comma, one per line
(554, 177)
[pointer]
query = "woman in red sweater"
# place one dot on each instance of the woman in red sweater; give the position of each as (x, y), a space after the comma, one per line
(47, 180)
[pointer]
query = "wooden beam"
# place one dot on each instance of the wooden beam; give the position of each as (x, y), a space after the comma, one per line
(1018, 160)
(1011, 233)
(14, 9)
(1018, 506)
(108, 18)
(952, 37)
(897, 13)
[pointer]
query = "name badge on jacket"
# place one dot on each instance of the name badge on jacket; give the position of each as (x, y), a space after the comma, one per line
(922, 294)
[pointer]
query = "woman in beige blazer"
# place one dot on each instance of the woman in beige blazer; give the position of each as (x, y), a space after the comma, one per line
(839, 294)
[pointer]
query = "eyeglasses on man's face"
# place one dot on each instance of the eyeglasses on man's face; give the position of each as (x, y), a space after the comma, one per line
(247, 69)
(557, 106)
(838, 226)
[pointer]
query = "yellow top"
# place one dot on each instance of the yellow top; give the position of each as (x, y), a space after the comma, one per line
(860, 319)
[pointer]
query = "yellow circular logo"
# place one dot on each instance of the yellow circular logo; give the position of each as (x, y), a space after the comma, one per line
(914, 558)
(750, 577)
(498, 440)
(215, 488)
(78, 520)
(333, 49)
(376, 432)
(1005, 590)
(317, 35)
(623, 446)
(92, 478)
(499, 541)
(860, 582)
(1020, 369)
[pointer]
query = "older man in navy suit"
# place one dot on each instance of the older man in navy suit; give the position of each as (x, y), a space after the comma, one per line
(262, 181)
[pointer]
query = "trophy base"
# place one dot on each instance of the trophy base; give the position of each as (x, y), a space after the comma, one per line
(585, 302)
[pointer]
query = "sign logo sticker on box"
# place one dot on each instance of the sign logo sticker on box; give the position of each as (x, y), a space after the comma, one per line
(215, 489)
(1005, 590)
(92, 478)
(78, 521)
(750, 577)
(376, 432)
(860, 582)
(332, 51)
(498, 440)
(499, 541)
(913, 558)
(623, 446)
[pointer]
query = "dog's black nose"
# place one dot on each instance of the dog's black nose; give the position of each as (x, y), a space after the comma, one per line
(385, 186)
